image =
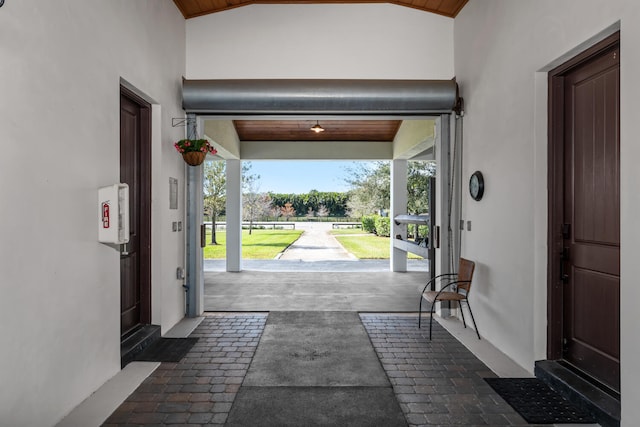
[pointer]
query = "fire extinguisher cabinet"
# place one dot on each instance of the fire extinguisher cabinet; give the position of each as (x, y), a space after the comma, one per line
(113, 214)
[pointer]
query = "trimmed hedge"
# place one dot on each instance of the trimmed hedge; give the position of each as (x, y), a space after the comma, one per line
(423, 230)
(383, 226)
(369, 223)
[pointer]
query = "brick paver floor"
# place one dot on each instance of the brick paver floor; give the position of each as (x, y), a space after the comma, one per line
(201, 388)
(437, 382)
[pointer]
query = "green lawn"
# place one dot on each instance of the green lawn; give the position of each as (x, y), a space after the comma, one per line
(369, 246)
(261, 244)
(342, 231)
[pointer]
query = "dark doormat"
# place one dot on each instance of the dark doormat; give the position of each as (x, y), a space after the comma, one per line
(537, 403)
(166, 350)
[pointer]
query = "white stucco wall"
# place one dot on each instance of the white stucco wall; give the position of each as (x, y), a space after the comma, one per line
(60, 68)
(334, 41)
(500, 45)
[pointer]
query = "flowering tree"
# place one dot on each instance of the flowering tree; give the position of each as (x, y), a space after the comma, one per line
(310, 213)
(323, 211)
(287, 211)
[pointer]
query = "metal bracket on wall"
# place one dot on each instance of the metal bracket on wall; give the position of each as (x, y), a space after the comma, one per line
(177, 121)
(459, 107)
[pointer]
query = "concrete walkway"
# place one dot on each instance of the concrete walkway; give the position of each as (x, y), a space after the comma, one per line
(293, 282)
(316, 251)
(301, 265)
(316, 244)
(326, 291)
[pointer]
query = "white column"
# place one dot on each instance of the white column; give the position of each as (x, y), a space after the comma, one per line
(234, 215)
(194, 254)
(398, 206)
(443, 153)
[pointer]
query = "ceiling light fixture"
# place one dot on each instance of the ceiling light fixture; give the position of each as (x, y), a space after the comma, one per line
(317, 128)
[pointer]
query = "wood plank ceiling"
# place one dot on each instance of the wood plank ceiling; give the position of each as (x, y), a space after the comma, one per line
(299, 130)
(193, 8)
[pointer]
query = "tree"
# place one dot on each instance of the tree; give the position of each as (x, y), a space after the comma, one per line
(370, 187)
(323, 211)
(254, 204)
(418, 175)
(215, 182)
(248, 179)
(335, 202)
(310, 213)
(275, 211)
(287, 211)
(371, 183)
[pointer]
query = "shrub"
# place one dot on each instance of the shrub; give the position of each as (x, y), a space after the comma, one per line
(422, 230)
(369, 223)
(383, 226)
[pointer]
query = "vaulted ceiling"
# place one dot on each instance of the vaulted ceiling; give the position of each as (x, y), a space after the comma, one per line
(299, 130)
(193, 8)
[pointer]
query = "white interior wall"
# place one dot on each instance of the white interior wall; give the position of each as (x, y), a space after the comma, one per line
(60, 66)
(333, 41)
(500, 46)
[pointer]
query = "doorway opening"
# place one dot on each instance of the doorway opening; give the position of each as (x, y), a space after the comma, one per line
(314, 215)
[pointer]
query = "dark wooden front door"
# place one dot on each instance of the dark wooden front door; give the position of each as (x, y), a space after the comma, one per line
(135, 170)
(587, 96)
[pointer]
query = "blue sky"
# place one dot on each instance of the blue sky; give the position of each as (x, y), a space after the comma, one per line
(301, 176)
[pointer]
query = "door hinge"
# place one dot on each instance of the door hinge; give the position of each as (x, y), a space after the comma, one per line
(566, 231)
(565, 345)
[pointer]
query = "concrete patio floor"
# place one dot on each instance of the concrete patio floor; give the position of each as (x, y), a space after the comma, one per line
(318, 291)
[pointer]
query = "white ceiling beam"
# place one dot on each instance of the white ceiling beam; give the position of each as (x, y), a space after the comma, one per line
(315, 150)
(414, 139)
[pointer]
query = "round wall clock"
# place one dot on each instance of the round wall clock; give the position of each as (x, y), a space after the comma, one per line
(476, 185)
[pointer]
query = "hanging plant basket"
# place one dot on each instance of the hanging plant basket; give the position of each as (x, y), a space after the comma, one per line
(194, 158)
(194, 151)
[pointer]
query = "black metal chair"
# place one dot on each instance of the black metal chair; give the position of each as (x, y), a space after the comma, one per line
(460, 282)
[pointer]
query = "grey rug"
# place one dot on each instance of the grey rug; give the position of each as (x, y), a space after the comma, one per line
(315, 368)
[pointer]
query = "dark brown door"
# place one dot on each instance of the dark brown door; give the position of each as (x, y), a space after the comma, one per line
(135, 170)
(589, 236)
